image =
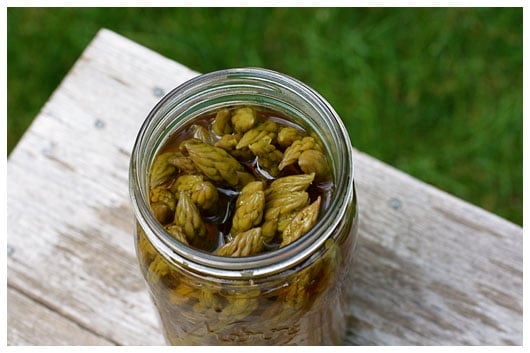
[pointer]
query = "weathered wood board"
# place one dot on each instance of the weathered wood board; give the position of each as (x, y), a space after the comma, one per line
(431, 269)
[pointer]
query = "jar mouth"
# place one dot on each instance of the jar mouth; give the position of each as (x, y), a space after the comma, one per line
(266, 87)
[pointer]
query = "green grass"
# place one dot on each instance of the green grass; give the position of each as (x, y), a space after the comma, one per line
(435, 92)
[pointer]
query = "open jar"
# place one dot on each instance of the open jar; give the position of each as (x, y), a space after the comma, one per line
(294, 294)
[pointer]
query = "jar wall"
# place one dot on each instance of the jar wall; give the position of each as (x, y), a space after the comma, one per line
(306, 305)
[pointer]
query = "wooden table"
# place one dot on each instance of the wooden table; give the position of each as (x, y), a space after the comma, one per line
(431, 269)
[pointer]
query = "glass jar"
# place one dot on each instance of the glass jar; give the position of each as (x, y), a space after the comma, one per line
(293, 295)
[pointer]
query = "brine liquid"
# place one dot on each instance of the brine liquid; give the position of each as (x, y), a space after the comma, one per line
(218, 222)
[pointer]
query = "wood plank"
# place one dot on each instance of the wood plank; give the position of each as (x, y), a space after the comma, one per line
(40, 325)
(431, 269)
(69, 217)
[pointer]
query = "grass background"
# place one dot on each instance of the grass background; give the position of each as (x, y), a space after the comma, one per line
(436, 93)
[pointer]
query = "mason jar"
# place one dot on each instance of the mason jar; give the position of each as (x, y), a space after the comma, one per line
(297, 294)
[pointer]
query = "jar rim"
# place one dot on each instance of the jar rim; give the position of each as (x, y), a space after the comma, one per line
(262, 264)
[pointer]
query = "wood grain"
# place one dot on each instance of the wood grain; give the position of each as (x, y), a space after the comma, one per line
(430, 269)
(39, 321)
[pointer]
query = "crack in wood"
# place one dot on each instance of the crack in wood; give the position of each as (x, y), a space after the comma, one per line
(466, 222)
(61, 163)
(52, 308)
